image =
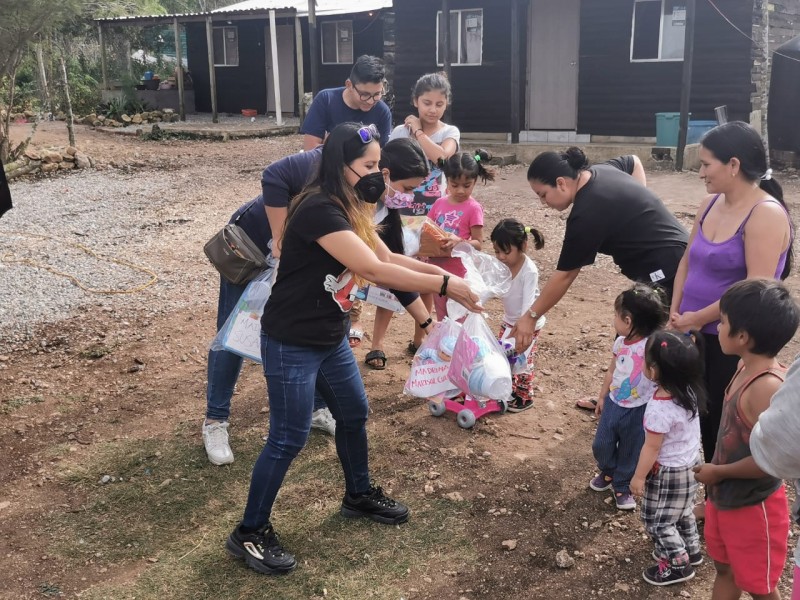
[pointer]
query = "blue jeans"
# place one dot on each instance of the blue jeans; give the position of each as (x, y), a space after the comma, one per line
(618, 442)
(293, 374)
(223, 366)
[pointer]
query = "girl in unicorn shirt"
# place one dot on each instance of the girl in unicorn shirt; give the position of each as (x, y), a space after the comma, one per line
(638, 312)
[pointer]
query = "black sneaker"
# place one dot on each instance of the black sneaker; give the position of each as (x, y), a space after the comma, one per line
(261, 550)
(695, 559)
(374, 505)
(665, 573)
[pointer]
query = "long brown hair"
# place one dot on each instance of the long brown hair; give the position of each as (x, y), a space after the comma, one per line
(342, 146)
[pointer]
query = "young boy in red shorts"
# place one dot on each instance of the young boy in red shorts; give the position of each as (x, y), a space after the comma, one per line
(747, 516)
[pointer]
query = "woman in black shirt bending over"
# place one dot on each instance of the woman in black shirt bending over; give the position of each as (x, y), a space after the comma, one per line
(329, 243)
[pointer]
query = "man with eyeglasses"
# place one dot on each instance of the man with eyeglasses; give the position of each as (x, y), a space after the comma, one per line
(359, 101)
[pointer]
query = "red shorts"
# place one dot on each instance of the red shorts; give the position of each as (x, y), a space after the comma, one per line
(753, 540)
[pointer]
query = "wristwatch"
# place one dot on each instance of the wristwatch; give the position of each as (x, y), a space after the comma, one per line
(533, 314)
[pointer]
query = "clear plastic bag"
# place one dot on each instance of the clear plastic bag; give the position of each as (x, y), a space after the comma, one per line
(479, 367)
(241, 333)
(428, 375)
(486, 276)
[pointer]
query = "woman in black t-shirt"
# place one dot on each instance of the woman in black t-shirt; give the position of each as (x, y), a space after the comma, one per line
(612, 213)
(329, 242)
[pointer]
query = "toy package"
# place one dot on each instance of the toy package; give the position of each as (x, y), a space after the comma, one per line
(486, 276)
(241, 333)
(423, 237)
(478, 367)
(519, 362)
(428, 376)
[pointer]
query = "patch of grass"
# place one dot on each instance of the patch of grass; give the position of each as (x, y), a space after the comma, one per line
(17, 403)
(95, 351)
(183, 524)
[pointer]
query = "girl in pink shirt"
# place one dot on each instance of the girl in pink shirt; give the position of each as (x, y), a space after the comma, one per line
(458, 213)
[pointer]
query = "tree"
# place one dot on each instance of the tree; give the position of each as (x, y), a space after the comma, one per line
(22, 21)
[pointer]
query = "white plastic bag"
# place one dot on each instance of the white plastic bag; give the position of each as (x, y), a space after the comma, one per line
(479, 367)
(428, 376)
(486, 276)
(241, 333)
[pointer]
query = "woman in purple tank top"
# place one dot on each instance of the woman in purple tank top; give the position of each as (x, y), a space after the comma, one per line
(742, 230)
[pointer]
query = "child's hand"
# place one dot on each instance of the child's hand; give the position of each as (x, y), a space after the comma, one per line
(707, 474)
(450, 242)
(599, 408)
(637, 486)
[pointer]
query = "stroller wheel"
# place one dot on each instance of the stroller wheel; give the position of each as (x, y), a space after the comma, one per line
(437, 408)
(465, 419)
(503, 404)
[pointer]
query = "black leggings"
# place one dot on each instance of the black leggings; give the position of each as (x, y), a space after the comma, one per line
(719, 370)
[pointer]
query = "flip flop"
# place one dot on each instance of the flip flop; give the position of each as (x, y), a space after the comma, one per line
(354, 337)
(589, 404)
(376, 360)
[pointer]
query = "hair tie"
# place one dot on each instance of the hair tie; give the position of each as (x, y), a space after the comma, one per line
(477, 158)
(664, 344)
(767, 176)
(527, 229)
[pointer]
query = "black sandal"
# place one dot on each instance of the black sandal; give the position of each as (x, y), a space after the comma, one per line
(376, 360)
(412, 349)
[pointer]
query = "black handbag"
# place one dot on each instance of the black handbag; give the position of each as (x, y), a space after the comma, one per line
(234, 254)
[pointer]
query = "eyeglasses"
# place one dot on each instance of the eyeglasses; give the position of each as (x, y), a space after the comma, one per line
(368, 133)
(368, 97)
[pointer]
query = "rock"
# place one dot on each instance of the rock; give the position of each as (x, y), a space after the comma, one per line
(82, 161)
(480, 496)
(454, 497)
(509, 545)
(165, 483)
(429, 489)
(33, 154)
(105, 479)
(685, 594)
(51, 156)
(4, 504)
(168, 111)
(564, 560)
(66, 165)
(136, 119)
(434, 475)
(97, 123)
(101, 118)
(89, 119)
(71, 150)
(560, 430)
(126, 119)
(49, 167)
(622, 587)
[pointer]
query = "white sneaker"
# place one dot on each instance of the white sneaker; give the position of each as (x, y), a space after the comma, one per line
(215, 439)
(323, 419)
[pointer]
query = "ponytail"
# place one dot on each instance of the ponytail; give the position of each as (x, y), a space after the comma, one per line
(549, 166)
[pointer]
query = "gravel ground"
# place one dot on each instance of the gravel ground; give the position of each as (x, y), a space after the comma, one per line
(136, 222)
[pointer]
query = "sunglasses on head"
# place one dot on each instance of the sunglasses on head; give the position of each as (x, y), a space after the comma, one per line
(368, 133)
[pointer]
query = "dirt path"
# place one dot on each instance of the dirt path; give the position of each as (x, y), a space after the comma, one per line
(126, 374)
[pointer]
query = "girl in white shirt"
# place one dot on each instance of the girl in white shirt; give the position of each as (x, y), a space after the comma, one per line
(664, 477)
(510, 242)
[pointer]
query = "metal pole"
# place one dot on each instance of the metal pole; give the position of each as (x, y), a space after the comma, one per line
(313, 46)
(103, 68)
(298, 40)
(276, 80)
(446, 42)
(515, 83)
(686, 84)
(212, 74)
(179, 72)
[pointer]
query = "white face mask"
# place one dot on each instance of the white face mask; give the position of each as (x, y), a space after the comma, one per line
(397, 199)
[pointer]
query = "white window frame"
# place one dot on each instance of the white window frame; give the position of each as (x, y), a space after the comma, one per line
(660, 35)
(460, 12)
(225, 46)
(336, 24)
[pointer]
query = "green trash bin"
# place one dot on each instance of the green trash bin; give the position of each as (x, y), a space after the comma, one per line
(667, 127)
